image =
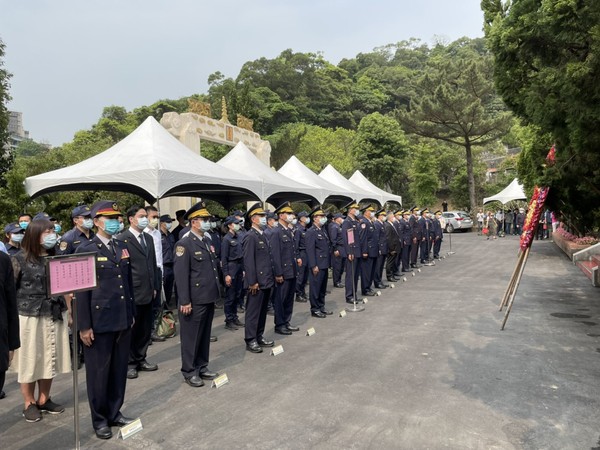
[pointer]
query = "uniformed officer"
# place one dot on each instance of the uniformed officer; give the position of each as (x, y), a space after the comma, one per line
(258, 279)
(299, 236)
(351, 250)
(369, 248)
(284, 256)
(14, 235)
(105, 317)
(398, 227)
(337, 261)
(318, 253)
(392, 238)
(424, 229)
(406, 238)
(167, 243)
(233, 272)
(438, 234)
(416, 236)
(197, 281)
(238, 214)
(271, 222)
(380, 219)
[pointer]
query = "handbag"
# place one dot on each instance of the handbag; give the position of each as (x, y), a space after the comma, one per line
(485, 231)
(166, 327)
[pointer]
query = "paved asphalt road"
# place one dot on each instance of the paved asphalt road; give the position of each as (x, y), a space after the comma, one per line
(424, 366)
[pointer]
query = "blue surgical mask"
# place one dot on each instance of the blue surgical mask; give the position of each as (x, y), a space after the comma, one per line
(57, 228)
(213, 225)
(262, 221)
(168, 225)
(323, 220)
(88, 224)
(121, 226)
(50, 241)
(23, 225)
(111, 226)
(205, 226)
(17, 237)
(142, 222)
(307, 220)
(295, 221)
(236, 227)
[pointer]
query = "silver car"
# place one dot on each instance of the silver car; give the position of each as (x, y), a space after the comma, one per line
(457, 220)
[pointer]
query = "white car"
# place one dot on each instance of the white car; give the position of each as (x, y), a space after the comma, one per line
(457, 220)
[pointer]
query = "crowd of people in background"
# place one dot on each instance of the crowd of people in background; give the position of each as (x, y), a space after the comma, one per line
(255, 263)
(511, 221)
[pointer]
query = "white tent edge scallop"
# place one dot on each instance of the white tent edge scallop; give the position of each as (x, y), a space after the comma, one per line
(361, 181)
(514, 191)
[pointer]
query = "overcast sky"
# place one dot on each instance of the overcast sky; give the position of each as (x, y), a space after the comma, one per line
(71, 58)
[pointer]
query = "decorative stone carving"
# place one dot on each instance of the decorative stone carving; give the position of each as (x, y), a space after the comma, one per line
(198, 107)
(244, 122)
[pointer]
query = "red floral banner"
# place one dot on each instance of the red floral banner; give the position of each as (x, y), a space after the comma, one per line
(536, 207)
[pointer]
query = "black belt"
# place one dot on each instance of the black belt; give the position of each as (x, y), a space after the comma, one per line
(236, 260)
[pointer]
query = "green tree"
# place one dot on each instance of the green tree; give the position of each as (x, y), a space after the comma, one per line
(547, 57)
(455, 102)
(380, 150)
(424, 180)
(6, 157)
(321, 146)
(29, 147)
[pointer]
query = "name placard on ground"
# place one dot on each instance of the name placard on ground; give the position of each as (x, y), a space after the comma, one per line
(220, 381)
(131, 429)
(310, 331)
(277, 350)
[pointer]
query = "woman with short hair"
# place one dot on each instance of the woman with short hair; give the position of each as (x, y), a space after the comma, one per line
(44, 351)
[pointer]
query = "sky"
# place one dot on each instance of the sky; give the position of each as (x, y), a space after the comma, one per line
(71, 58)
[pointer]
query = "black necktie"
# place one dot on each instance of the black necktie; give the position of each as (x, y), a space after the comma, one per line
(111, 247)
(143, 243)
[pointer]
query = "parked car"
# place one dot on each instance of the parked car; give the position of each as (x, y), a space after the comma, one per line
(457, 220)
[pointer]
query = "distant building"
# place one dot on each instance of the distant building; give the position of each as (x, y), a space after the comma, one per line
(15, 129)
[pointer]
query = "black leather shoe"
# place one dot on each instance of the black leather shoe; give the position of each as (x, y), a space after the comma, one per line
(382, 286)
(300, 299)
(208, 375)
(254, 347)
(213, 339)
(103, 433)
(407, 270)
(265, 343)
(194, 381)
(121, 421)
(2, 395)
(318, 314)
(147, 367)
(231, 326)
(291, 328)
(238, 323)
(338, 285)
(282, 330)
(369, 294)
(358, 301)
(131, 374)
(327, 312)
(156, 338)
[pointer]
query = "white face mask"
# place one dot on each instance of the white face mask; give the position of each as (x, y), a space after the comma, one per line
(168, 225)
(153, 223)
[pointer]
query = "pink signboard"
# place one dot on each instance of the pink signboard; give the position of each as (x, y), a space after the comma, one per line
(71, 273)
(351, 236)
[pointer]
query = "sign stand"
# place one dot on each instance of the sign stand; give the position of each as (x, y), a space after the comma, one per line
(65, 275)
(354, 307)
(450, 237)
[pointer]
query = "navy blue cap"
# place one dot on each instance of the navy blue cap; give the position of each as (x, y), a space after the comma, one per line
(180, 213)
(43, 216)
(238, 213)
(165, 218)
(81, 210)
(198, 210)
(271, 215)
(302, 214)
(105, 208)
(338, 216)
(231, 219)
(13, 227)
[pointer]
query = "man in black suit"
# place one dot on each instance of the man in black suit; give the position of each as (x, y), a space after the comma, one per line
(9, 318)
(197, 281)
(146, 285)
(105, 317)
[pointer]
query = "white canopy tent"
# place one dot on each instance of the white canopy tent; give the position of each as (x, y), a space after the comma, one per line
(275, 186)
(514, 191)
(333, 176)
(361, 181)
(297, 171)
(151, 163)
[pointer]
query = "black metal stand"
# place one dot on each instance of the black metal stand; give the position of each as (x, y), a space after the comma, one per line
(354, 307)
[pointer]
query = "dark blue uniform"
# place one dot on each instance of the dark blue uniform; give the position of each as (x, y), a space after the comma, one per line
(416, 237)
(438, 236)
(241, 296)
(383, 251)
(350, 228)
(392, 237)
(232, 265)
(71, 240)
(369, 245)
(197, 280)
(318, 251)
(406, 239)
(299, 236)
(258, 265)
(337, 262)
(284, 256)
(424, 242)
(108, 310)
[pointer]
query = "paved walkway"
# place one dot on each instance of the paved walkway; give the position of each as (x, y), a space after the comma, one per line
(424, 366)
